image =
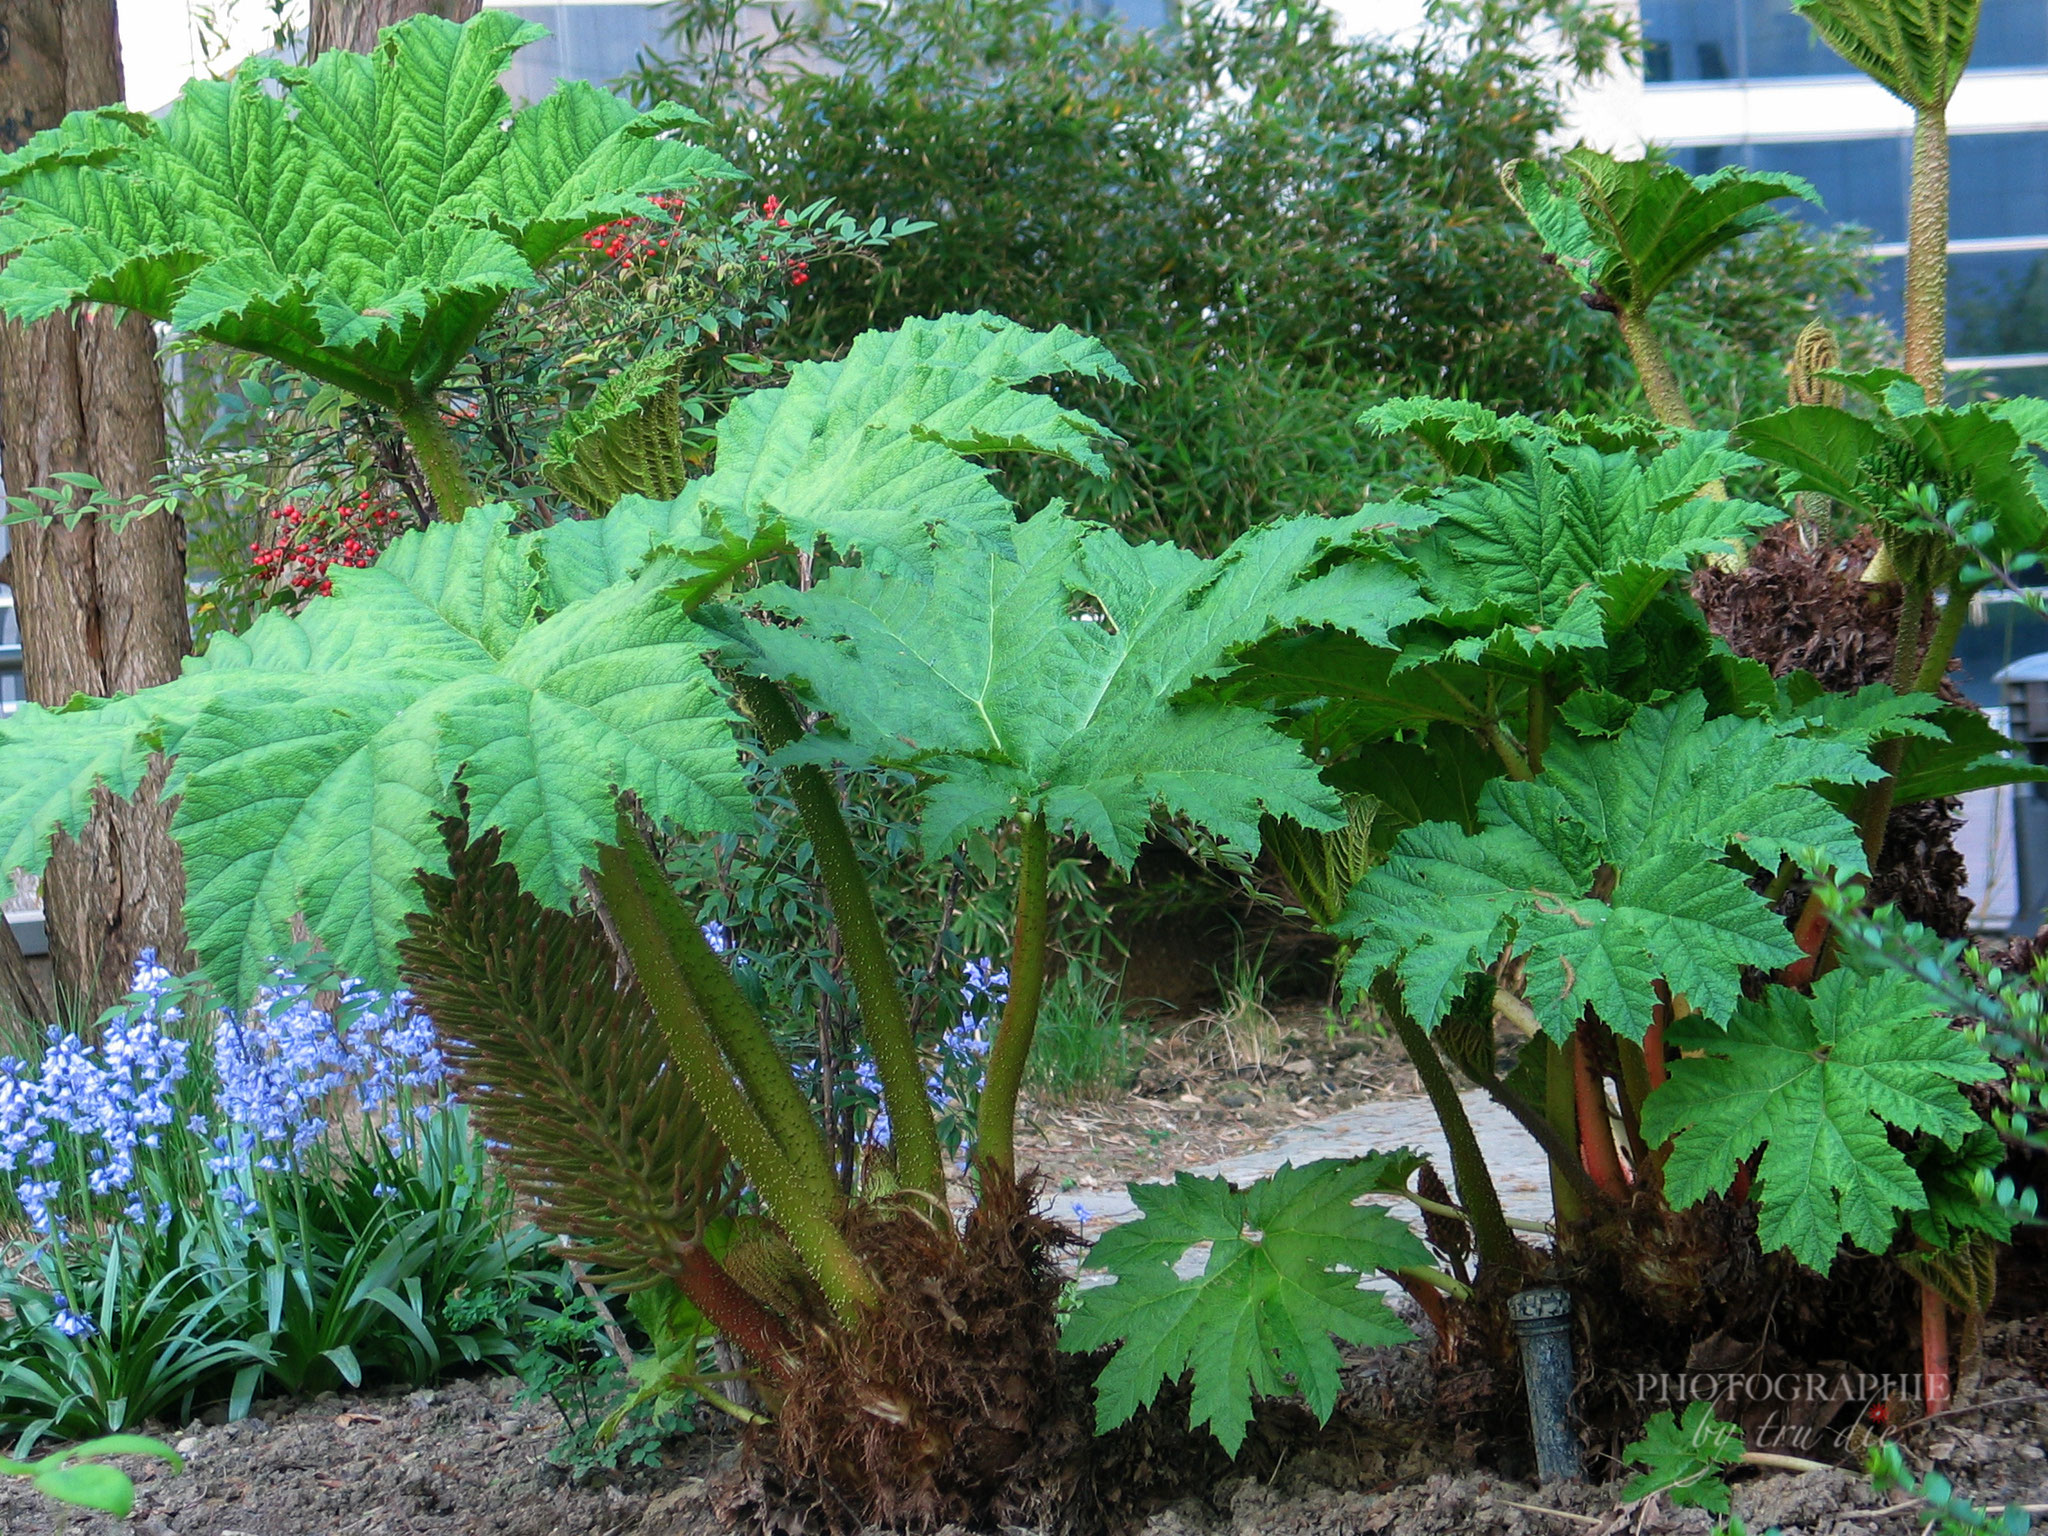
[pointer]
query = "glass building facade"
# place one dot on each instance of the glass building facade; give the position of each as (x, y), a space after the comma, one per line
(1763, 40)
(1998, 227)
(598, 43)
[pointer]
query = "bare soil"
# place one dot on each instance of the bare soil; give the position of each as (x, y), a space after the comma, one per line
(463, 1460)
(1209, 1087)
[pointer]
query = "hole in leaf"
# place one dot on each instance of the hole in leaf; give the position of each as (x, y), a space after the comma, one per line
(1085, 607)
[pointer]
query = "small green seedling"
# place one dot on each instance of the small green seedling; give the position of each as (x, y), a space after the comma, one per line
(1684, 1458)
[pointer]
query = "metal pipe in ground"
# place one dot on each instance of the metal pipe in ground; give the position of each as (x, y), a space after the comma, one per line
(1543, 1322)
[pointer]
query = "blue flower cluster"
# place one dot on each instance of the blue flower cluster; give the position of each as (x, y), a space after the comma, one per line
(73, 1325)
(73, 1125)
(283, 1063)
(960, 1063)
(98, 1108)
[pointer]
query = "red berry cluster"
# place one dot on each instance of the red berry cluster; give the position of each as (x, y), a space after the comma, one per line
(307, 541)
(638, 238)
(635, 238)
(799, 271)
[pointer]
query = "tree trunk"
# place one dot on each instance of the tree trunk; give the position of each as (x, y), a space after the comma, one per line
(354, 24)
(101, 611)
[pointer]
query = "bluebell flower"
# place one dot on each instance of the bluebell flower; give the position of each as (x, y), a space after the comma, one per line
(870, 1080)
(73, 1325)
(985, 986)
(1082, 1215)
(284, 1061)
(35, 1196)
(106, 1102)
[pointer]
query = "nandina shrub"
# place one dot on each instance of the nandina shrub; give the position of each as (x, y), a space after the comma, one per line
(307, 538)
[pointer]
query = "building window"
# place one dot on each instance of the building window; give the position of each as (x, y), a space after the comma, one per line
(2012, 34)
(1998, 185)
(1859, 181)
(1777, 43)
(1998, 303)
(1689, 40)
(1695, 40)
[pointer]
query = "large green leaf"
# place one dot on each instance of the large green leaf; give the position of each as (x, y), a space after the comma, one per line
(1282, 1276)
(54, 761)
(1916, 49)
(1982, 452)
(1343, 690)
(1051, 681)
(1608, 873)
(1967, 754)
(358, 220)
(1573, 543)
(1628, 229)
(866, 454)
(1815, 1082)
(1553, 562)
(1437, 777)
(1469, 439)
(316, 757)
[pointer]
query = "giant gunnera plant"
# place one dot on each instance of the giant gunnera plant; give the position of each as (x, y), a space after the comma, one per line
(1482, 728)
(358, 220)
(463, 770)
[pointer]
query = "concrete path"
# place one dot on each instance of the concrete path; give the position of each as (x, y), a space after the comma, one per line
(1520, 1170)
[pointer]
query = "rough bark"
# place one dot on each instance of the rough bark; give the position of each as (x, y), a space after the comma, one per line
(21, 996)
(101, 610)
(354, 24)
